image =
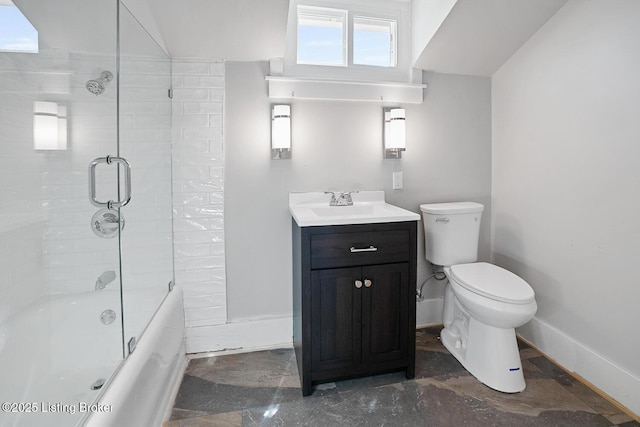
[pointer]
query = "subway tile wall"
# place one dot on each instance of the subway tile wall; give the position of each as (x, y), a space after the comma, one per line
(47, 243)
(198, 190)
(21, 220)
(44, 206)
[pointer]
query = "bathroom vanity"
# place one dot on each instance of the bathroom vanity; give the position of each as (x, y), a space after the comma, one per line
(354, 281)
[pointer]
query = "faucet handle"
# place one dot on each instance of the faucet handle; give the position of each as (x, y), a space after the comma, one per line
(347, 196)
(333, 201)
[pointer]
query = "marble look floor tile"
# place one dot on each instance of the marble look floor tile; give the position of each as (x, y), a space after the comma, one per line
(631, 423)
(271, 368)
(263, 389)
(436, 363)
(228, 419)
(552, 370)
(528, 353)
(462, 402)
(428, 339)
(539, 396)
(372, 406)
(202, 396)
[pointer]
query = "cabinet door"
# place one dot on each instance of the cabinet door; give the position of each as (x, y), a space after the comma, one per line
(385, 305)
(336, 319)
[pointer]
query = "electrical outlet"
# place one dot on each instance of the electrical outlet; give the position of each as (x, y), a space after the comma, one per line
(397, 180)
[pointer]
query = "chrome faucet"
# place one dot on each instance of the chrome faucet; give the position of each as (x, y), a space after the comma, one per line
(341, 199)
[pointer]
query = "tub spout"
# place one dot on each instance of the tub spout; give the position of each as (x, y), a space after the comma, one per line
(104, 279)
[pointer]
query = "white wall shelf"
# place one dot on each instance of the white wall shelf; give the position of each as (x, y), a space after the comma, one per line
(344, 90)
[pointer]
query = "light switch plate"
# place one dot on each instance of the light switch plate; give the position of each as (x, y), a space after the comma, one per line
(397, 181)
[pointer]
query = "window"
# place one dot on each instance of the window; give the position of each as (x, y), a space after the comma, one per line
(322, 36)
(16, 32)
(325, 37)
(374, 42)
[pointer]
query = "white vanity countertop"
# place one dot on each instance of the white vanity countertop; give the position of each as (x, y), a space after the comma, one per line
(312, 209)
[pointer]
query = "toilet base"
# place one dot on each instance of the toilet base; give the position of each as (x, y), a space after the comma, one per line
(490, 354)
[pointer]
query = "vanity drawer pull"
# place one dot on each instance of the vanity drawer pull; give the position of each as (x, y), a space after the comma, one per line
(367, 247)
(371, 248)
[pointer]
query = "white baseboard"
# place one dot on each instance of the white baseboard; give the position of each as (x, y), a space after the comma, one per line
(429, 312)
(575, 357)
(274, 332)
(249, 335)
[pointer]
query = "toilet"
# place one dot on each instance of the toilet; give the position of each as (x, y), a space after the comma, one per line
(483, 303)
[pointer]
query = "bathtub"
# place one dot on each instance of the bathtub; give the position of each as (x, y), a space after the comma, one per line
(45, 384)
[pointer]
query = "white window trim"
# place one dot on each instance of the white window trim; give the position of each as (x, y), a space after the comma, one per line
(393, 48)
(340, 14)
(401, 72)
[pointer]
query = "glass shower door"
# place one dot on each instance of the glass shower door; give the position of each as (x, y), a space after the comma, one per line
(60, 304)
(145, 141)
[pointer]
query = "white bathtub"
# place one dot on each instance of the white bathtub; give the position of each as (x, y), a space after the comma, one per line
(47, 385)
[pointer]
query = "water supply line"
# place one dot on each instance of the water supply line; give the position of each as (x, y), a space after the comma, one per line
(438, 274)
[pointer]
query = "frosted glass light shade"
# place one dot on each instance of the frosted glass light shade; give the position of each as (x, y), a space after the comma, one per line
(62, 127)
(280, 130)
(394, 132)
(45, 125)
(49, 126)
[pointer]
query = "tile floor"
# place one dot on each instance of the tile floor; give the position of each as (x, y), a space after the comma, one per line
(262, 389)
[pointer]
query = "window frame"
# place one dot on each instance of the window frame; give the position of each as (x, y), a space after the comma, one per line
(348, 18)
(325, 12)
(12, 6)
(398, 11)
(393, 45)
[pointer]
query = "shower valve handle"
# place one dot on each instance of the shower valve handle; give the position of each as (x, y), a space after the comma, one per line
(127, 182)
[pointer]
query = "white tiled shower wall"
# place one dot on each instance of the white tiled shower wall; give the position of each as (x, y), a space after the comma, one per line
(52, 249)
(198, 190)
(21, 221)
(47, 243)
(39, 189)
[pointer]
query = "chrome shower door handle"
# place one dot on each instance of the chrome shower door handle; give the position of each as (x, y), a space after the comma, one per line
(110, 204)
(127, 181)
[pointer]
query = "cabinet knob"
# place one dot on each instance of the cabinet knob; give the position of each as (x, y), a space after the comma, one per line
(358, 284)
(367, 283)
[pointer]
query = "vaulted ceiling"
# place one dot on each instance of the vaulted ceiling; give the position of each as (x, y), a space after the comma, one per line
(451, 36)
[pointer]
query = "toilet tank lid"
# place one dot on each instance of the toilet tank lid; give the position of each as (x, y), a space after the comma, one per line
(452, 208)
(493, 282)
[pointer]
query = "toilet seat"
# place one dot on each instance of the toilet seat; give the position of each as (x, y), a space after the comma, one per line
(492, 282)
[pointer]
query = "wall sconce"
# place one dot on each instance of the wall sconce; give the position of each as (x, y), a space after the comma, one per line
(49, 126)
(281, 132)
(394, 133)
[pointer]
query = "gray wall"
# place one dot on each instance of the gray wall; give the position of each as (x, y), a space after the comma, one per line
(566, 168)
(337, 146)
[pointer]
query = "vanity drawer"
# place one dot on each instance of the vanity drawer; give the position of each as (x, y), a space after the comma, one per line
(359, 248)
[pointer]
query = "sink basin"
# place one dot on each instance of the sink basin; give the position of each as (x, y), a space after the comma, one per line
(312, 209)
(343, 210)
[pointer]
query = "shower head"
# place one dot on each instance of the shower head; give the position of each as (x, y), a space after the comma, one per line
(97, 86)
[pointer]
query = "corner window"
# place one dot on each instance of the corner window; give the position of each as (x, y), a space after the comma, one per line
(336, 37)
(16, 32)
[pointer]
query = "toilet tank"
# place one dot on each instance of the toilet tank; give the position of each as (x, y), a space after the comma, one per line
(451, 232)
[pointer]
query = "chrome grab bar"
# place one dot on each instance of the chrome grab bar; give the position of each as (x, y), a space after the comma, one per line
(127, 182)
(371, 248)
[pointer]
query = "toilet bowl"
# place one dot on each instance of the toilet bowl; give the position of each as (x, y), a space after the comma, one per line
(479, 322)
(483, 303)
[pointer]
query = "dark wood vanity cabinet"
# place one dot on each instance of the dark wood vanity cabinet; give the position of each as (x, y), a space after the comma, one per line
(354, 300)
